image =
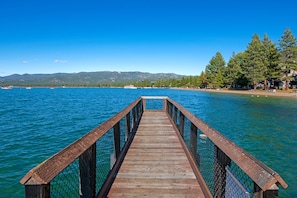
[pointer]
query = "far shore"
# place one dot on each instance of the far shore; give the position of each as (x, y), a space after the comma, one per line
(256, 93)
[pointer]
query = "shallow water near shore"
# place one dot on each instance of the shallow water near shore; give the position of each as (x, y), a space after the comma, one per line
(37, 123)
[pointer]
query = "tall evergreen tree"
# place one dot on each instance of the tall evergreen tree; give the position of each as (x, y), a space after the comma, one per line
(288, 50)
(233, 69)
(271, 60)
(203, 80)
(254, 67)
(214, 70)
(219, 79)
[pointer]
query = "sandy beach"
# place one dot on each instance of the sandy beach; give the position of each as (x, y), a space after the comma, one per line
(257, 93)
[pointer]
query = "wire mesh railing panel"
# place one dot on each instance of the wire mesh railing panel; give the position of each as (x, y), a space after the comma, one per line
(245, 182)
(104, 156)
(234, 186)
(212, 163)
(187, 132)
(66, 183)
(205, 155)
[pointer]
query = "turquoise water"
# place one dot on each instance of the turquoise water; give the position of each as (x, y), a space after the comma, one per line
(37, 123)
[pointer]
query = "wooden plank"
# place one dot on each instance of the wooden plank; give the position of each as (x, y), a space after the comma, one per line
(156, 164)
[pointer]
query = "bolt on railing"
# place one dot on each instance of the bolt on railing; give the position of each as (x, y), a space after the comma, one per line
(227, 169)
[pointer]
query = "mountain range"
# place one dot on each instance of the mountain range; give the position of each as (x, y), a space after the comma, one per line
(101, 78)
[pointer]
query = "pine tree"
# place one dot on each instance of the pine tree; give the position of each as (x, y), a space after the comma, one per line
(233, 69)
(219, 79)
(203, 81)
(287, 47)
(214, 70)
(271, 60)
(254, 67)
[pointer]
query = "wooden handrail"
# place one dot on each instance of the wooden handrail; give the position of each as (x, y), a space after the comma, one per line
(41, 176)
(261, 174)
(50, 168)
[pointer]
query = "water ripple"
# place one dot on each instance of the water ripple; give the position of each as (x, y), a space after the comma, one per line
(36, 124)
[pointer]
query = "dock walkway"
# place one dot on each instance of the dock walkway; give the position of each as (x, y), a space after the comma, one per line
(152, 148)
(156, 164)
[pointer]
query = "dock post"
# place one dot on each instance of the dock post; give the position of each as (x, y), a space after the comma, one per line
(87, 170)
(143, 104)
(116, 136)
(128, 126)
(133, 118)
(221, 160)
(170, 109)
(165, 104)
(37, 190)
(174, 114)
(271, 192)
(181, 123)
(193, 141)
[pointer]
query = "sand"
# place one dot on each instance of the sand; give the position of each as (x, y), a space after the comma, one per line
(257, 93)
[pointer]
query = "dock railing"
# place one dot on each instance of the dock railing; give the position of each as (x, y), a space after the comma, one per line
(228, 170)
(87, 167)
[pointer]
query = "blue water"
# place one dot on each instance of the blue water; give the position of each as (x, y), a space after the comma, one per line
(37, 123)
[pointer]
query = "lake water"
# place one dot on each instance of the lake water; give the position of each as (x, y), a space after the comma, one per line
(37, 123)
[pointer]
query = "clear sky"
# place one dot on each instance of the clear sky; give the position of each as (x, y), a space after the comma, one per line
(170, 36)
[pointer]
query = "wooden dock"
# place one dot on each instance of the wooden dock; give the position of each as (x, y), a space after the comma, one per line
(148, 157)
(156, 164)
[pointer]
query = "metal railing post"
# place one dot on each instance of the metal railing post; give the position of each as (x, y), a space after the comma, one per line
(37, 190)
(143, 104)
(220, 162)
(174, 114)
(165, 104)
(133, 117)
(181, 123)
(193, 140)
(271, 192)
(116, 135)
(170, 109)
(87, 170)
(128, 126)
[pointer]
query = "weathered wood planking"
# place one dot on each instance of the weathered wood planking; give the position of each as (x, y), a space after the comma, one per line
(156, 164)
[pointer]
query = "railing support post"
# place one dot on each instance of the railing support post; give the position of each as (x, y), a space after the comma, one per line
(137, 111)
(181, 123)
(87, 170)
(140, 111)
(165, 104)
(193, 140)
(271, 192)
(174, 114)
(133, 118)
(221, 161)
(170, 109)
(37, 190)
(128, 126)
(116, 136)
(143, 104)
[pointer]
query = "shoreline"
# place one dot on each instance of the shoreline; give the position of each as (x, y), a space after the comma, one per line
(256, 93)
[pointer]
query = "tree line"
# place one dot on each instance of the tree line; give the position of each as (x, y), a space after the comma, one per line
(263, 62)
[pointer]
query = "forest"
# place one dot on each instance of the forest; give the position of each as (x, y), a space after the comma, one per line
(263, 65)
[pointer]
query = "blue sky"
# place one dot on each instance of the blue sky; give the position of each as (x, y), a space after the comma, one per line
(50, 36)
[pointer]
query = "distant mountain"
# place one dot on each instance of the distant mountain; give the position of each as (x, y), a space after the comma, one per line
(82, 78)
